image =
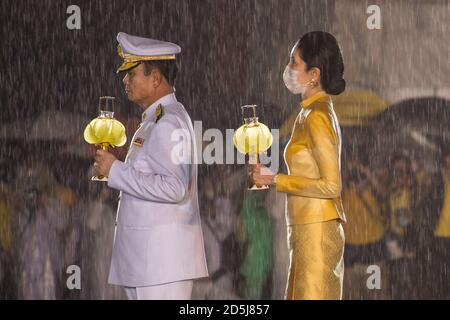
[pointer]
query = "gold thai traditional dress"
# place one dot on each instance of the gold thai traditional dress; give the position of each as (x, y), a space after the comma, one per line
(314, 212)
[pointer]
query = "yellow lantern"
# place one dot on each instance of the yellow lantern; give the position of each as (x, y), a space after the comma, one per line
(252, 138)
(105, 131)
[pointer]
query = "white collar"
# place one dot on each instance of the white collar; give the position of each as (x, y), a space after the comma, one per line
(150, 112)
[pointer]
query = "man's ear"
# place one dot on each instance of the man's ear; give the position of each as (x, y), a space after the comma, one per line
(156, 77)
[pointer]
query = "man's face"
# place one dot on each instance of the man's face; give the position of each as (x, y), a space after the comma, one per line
(138, 86)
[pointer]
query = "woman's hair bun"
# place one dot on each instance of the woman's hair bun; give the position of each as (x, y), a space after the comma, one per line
(336, 86)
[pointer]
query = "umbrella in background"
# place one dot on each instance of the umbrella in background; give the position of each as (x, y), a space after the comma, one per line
(415, 125)
(358, 108)
(43, 138)
(49, 125)
(429, 116)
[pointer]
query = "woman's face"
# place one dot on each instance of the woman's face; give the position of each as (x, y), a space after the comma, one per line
(297, 63)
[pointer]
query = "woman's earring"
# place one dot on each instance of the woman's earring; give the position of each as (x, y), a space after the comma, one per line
(312, 83)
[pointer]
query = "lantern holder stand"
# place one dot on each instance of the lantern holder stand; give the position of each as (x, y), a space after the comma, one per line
(252, 155)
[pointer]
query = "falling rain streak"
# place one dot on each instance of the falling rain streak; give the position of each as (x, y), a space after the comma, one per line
(394, 115)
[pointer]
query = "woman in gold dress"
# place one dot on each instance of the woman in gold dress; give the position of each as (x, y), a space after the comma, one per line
(313, 184)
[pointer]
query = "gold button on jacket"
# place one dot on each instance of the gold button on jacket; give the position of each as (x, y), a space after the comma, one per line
(312, 155)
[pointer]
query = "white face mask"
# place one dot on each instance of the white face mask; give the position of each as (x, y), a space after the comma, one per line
(290, 78)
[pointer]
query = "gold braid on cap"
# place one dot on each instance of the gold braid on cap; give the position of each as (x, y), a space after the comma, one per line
(130, 61)
(133, 58)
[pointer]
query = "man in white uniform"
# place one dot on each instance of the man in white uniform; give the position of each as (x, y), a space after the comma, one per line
(158, 245)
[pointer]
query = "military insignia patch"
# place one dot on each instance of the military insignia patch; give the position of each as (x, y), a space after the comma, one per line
(159, 112)
(139, 142)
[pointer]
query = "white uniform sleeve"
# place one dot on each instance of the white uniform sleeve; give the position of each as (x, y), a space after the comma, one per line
(167, 181)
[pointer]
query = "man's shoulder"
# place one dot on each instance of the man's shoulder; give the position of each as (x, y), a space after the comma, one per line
(175, 108)
(174, 114)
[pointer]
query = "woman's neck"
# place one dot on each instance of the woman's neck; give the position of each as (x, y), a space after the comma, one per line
(311, 92)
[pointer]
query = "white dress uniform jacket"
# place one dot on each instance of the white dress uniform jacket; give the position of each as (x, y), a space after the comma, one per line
(158, 237)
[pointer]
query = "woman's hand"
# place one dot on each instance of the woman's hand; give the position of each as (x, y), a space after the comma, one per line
(260, 175)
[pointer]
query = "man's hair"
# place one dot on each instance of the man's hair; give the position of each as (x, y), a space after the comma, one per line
(168, 69)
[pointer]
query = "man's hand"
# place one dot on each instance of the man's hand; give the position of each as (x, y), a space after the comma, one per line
(103, 162)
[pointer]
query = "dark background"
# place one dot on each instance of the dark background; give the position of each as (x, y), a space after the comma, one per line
(229, 49)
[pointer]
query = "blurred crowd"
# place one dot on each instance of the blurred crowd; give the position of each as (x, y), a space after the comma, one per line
(238, 233)
(398, 220)
(47, 225)
(52, 216)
